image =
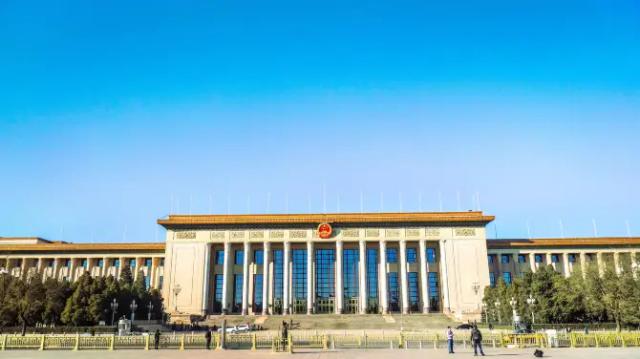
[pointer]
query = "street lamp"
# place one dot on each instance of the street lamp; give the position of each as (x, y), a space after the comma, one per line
(176, 290)
(497, 303)
(133, 306)
(513, 303)
(149, 309)
(114, 308)
(531, 301)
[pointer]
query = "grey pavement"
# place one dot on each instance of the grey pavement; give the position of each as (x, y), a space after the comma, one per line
(581, 353)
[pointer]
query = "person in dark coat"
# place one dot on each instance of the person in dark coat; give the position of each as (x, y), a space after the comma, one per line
(207, 337)
(156, 339)
(476, 340)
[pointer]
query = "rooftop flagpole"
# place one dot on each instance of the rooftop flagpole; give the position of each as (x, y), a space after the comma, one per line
(561, 229)
(595, 227)
(626, 222)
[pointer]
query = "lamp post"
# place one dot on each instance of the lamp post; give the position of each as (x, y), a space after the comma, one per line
(114, 308)
(149, 309)
(497, 304)
(513, 303)
(531, 301)
(133, 306)
(176, 290)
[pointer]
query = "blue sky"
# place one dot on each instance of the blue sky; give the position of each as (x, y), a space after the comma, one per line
(113, 114)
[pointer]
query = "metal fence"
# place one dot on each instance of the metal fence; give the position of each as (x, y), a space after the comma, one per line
(309, 340)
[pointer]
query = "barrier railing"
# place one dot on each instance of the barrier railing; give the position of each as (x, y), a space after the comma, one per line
(314, 341)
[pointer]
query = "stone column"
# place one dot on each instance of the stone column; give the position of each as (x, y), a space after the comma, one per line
(55, 268)
(362, 273)
(532, 261)
(424, 290)
(382, 277)
(286, 277)
(583, 263)
(72, 269)
(445, 277)
(634, 263)
(404, 290)
(205, 278)
(245, 277)
(226, 280)
(600, 263)
(616, 262)
(565, 263)
(266, 257)
(339, 295)
(310, 287)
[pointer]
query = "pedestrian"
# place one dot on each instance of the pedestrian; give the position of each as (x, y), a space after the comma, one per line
(207, 337)
(450, 339)
(476, 340)
(156, 339)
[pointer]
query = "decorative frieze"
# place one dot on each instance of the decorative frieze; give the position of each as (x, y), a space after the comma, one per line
(350, 233)
(256, 234)
(413, 232)
(217, 235)
(298, 234)
(432, 232)
(465, 232)
(392, 233)
(276, 234)
(237, 234)
(186, 235)
(372, 232)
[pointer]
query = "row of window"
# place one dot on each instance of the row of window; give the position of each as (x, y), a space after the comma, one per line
(392, 256)
(325, 282)
(522, 258)
(99, 263)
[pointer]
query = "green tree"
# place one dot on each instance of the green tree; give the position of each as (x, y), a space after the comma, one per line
(56, 294)
(76, 311)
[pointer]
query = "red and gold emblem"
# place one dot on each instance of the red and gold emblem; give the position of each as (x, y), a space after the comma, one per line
(324, 230)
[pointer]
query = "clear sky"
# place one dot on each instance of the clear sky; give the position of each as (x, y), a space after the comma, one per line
(116, 113)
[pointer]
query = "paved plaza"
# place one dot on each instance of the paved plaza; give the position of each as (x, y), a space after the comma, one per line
(609, 353)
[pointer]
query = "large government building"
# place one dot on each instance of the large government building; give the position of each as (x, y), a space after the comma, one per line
(350, 263)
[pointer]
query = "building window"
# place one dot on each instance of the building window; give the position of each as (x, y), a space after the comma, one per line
(84, 263)
(217, 298)
(278, 280)
(18, 262)
(132, 262)
(258, 257)
(350, 278)
(505, 258)
(507, 278)
(220, 257)
(490, 258)
(100, 263)
(67, 263)
(237, 293)
(160, 281)
(116, 263)
(50, 263)
(239, 257)
(434, 292)
(394, 291)
(161, 262)
(431, 255)
(325, 259)
(572, 258)
(522, 258)
(492, 279)
(257, 293)
(414, 297)
(555, 258)
(411, 255)
(299, 259)
(392, 255)
(147, 262)
(538, 258)
(147, 281)
(372, 280)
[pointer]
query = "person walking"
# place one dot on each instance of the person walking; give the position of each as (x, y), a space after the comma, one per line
(450, 339)
(207, 337)
(156, 339)
(476, 340)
